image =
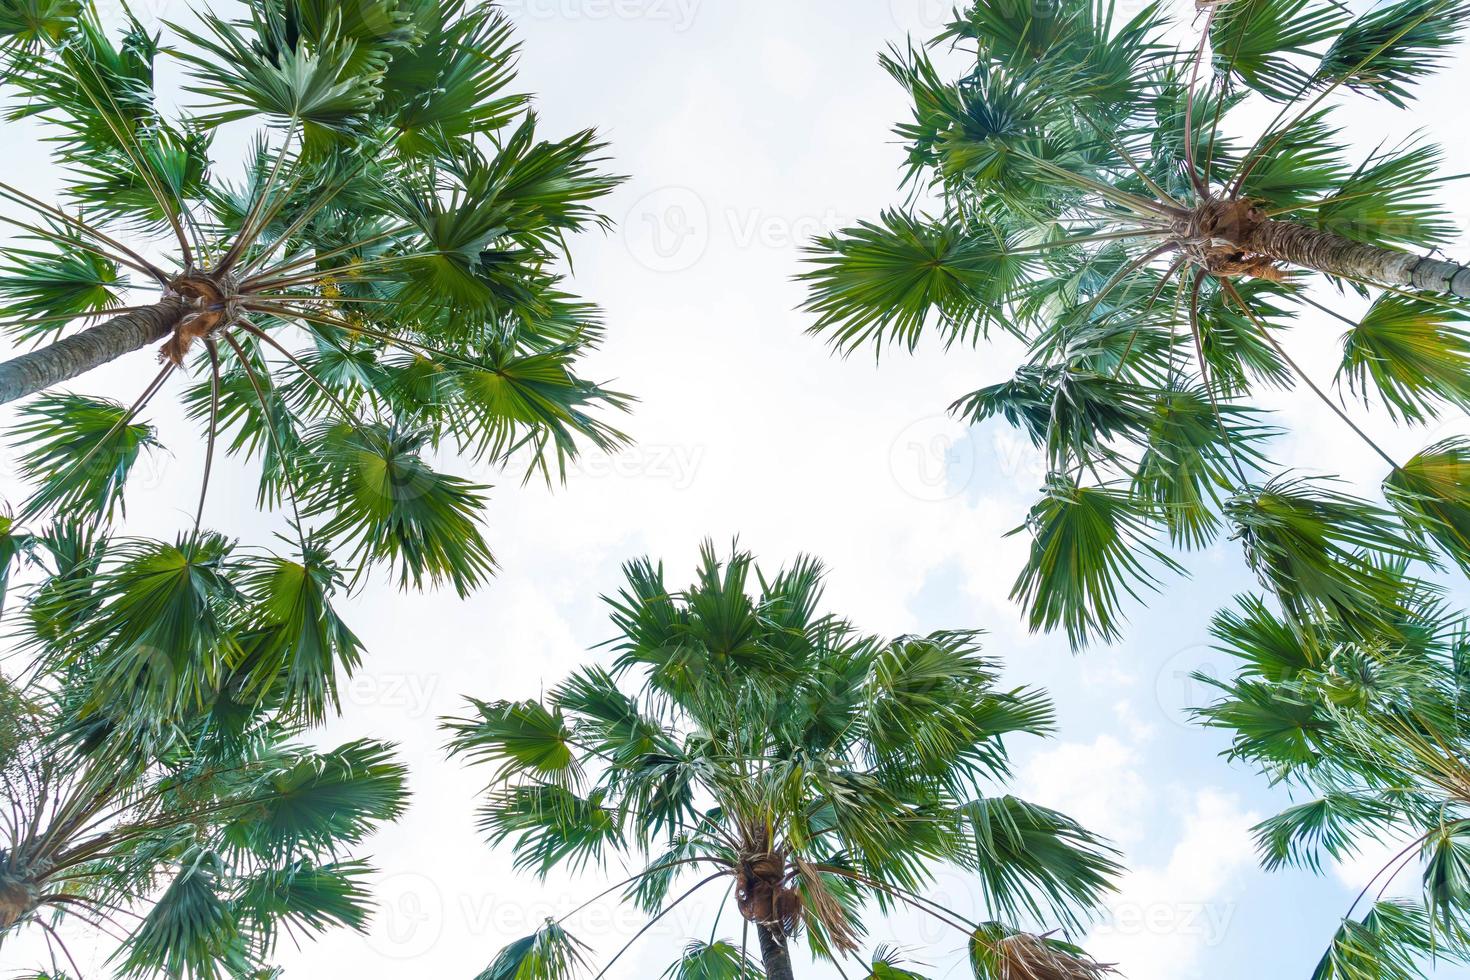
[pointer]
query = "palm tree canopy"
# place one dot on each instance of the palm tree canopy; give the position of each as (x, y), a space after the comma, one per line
(1094, 190)
(1092, 196)
(743, 735)
(193, 842)
(377, 279)
(1370, 729)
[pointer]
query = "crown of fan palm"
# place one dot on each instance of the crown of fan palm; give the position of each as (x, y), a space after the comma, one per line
(1372, 728)
(375, 280)
(1096, 200)
(744, 738)
(193, 844)
(1093, 197)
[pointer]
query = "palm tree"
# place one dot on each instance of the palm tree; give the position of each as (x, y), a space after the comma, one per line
(193, 843)
(377, 279)
(1374, 732)
(753, 741)
(1095, 202)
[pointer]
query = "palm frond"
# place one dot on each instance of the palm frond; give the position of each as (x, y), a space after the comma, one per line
(1032, 861)
(1415, 354)
(718, 960)
(1090, 551)
(1431, 494)
(79, 452)
(386, 504)
(550, 953)
(888, 282)
(1322, 551)
(1386, 50)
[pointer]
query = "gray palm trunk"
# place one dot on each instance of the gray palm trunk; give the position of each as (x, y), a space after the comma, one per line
(75, 355)
(775, 957)
(1313, 248)
(17, 899)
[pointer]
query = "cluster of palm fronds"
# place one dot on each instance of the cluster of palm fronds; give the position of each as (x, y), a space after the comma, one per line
(1094, 197)
(1095, 205)
(193, 833)
(378, 280)
(753, 742)
(1372, 726)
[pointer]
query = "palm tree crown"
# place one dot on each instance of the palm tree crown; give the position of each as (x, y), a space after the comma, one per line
(1099, 204)
(1372, 730)
(755, 741)
(378, 278)
(192, 842)
(1096, 204)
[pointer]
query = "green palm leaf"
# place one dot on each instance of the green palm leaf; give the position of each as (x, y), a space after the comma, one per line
(1415, 354)
(1322, 551)
(1431, 494)
(1262, 42)
(1089, 551)
(1032, 861)
(548, 954)
(1386, 50)
(718, 960)
(324, 88)
(313, 802)
(884, 283)
(191, 930)
(80, 452)
(387, 505)
(304, 897)
(1392, 942)
(40, 288)
(294, 638)
(30, 22)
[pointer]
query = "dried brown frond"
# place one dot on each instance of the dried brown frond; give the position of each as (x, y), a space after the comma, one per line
(823, 906)
(1027, 957)
(998, 952)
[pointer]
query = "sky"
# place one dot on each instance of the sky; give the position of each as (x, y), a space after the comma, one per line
(747, 127)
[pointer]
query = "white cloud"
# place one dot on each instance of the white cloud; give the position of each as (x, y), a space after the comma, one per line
(1169, 913)
(1167, 917)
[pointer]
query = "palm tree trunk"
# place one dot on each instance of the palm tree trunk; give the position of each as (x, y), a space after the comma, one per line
(17, 899)
(93, 347)
(1312, 248)
(774, 955)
